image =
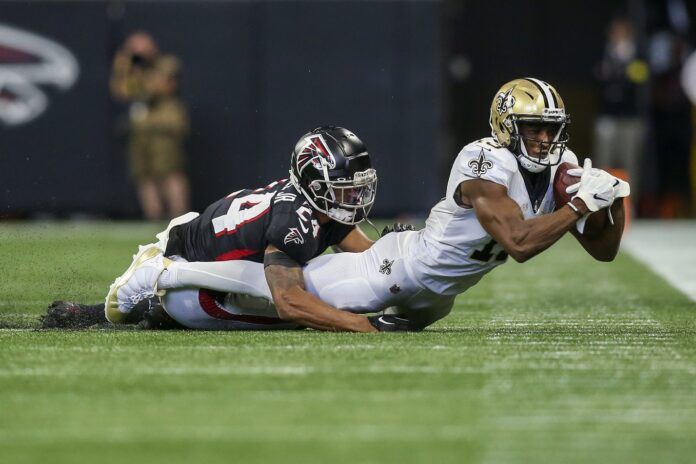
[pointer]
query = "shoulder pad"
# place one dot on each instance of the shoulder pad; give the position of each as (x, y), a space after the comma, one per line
(569, 157)
(485, 159)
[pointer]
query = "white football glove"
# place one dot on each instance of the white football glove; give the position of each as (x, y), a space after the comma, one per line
(596, 187)
(621, 188)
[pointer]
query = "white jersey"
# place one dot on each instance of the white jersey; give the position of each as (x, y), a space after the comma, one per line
(454, 252)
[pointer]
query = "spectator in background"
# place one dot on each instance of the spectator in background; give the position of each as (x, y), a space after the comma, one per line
(670, 114)
(620, 128)
(158, 125)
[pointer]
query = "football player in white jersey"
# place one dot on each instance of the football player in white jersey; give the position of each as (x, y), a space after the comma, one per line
(499, 203)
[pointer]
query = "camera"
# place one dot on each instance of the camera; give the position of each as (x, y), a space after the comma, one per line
(139, 60)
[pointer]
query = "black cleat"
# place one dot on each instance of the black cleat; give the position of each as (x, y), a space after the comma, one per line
(69, 315)
(156, 318)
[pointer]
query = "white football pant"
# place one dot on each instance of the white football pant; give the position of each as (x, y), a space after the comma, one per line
(235, 295)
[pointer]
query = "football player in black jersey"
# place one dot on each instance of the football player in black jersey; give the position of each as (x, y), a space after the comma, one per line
(331, 188)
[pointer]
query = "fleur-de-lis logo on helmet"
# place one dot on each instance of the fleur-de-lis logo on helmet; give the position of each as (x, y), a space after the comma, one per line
(480, 165)
(505, 101)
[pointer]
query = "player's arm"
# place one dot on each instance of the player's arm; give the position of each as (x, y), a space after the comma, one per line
(355, 242)
(605, 245)
(502, 218)
(295, 304)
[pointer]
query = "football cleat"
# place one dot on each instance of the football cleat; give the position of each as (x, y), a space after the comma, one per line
(138, 283)
(69, 315)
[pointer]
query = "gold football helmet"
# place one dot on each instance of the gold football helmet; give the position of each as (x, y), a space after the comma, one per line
(529, 101)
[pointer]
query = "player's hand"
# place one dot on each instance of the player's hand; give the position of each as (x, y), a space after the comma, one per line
(389, 323)
(621, 188)
(396, 227)
(596, 187)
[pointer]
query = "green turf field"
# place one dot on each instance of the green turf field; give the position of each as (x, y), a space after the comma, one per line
(559, 360)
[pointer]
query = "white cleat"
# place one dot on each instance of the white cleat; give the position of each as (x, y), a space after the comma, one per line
(138, 283)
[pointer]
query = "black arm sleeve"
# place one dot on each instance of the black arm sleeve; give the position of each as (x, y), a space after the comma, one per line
(278, 258)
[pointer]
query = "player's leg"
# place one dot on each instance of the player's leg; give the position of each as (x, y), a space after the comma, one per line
(237, 296)
(244, 277)
(118, 306)
(213, 310)
(240, 297)
(364, 282)
(359, 282)
(233, 295)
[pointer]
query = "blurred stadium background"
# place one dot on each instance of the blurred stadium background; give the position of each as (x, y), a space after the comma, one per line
(414, 79)
(557, 360)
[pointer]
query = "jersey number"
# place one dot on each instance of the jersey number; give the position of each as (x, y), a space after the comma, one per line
(486, 253)
(255, 205)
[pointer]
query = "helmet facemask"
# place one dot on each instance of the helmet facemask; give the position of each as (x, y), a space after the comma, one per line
(550, 152)
(347, 201)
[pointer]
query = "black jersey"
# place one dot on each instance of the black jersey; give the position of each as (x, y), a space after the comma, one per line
(244, 223)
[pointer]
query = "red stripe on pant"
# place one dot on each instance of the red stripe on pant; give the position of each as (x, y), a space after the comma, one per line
(212, 303)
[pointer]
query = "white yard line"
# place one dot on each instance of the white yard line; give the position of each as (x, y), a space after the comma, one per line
(668, 248)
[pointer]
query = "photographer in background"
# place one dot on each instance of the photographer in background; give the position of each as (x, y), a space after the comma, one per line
(158, 125)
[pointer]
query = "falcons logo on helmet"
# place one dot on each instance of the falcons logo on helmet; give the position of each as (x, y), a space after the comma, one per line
(27, 61)
(315, 151)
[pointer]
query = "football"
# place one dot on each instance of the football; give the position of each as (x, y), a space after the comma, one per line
(562, 180)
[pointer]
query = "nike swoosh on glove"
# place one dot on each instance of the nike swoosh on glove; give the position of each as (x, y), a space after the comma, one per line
(622, 188)
(596, 187)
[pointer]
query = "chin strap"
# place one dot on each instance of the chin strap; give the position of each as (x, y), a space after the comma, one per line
(530, 165)
(525, 160)
(373, 226)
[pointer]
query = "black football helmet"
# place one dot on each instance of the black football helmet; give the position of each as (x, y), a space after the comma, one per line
(331, 167)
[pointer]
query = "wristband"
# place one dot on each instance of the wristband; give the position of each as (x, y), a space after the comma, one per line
(575, 208)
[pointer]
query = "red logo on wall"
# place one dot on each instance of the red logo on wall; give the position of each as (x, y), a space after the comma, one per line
(28, 61)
